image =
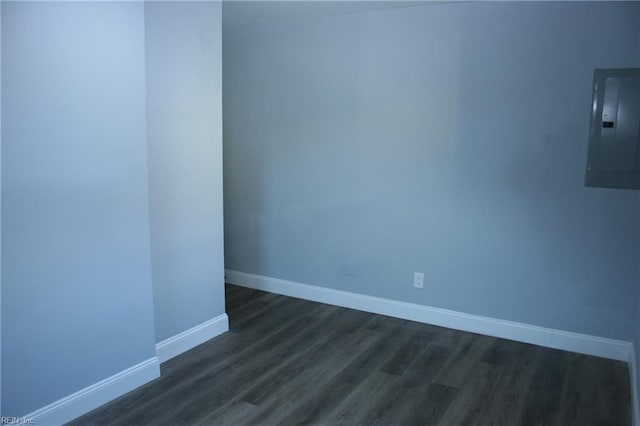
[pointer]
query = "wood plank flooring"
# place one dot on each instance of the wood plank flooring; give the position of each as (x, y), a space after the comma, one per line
(287, 361)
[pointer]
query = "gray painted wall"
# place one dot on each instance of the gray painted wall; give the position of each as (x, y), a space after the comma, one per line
(184, 123)
(0, 210)
(76, 277)
(449, 139)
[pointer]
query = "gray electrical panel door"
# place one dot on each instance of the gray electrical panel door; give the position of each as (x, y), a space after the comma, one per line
(614, 139)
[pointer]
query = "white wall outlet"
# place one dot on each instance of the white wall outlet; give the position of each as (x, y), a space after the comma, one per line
(418, 279)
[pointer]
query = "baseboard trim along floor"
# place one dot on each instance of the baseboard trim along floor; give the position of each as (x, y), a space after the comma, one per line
(548, 337)
(91, 397)
(182, 342)
(633, 380)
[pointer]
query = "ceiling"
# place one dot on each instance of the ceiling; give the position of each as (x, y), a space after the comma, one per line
(238, 12)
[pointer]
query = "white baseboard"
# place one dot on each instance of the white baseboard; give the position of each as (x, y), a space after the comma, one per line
(633, 380)
(558, 339)
(182, 342)
(91, 397)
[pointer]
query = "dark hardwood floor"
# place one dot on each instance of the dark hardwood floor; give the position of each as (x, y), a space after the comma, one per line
(288, 361)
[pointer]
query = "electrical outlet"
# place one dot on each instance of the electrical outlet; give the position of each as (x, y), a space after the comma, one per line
(418, 279)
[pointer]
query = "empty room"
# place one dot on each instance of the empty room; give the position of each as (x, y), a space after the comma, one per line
(320, 213)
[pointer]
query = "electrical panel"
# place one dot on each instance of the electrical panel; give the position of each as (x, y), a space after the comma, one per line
(614, 138)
